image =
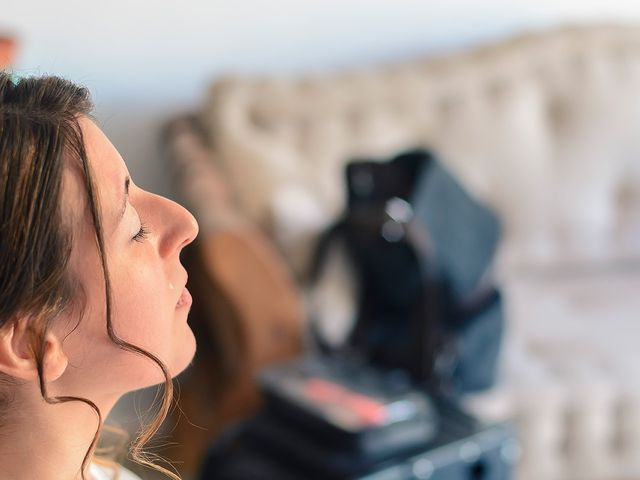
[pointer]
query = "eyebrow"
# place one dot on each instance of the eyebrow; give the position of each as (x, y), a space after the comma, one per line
(127, 181)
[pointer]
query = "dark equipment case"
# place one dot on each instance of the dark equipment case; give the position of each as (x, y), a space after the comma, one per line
(291, 440)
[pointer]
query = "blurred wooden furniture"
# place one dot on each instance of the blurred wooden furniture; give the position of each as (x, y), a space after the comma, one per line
(8, 47)
(246, 312)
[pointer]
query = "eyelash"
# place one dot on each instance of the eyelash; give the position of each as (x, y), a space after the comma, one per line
(142, 233)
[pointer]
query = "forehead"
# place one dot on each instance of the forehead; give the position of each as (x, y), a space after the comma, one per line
(105, 161)
(108, 172)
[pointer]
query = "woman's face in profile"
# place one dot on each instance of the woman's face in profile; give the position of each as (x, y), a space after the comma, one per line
(143, 234)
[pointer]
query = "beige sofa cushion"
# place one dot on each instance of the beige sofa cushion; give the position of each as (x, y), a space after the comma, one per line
(542, 127)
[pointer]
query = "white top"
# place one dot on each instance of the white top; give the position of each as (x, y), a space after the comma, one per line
(98, 472)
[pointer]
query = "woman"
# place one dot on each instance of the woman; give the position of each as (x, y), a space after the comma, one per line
(93, 301)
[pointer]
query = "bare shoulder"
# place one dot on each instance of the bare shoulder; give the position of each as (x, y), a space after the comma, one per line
(101, 472)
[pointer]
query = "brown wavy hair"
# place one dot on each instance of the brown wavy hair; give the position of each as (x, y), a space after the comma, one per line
(39, 135)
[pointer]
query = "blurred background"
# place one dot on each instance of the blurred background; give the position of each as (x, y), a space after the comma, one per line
(142, 63)
(248, 111)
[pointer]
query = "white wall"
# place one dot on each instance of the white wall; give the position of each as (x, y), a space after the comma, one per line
(145, 59)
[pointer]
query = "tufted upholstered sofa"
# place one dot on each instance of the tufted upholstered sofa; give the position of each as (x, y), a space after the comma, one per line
(545, 128)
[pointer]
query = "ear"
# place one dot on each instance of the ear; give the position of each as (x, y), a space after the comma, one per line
(17, 358)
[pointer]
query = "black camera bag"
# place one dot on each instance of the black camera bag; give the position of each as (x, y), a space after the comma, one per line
(422, 249)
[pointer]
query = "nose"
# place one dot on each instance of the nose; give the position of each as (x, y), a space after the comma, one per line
(179, 228)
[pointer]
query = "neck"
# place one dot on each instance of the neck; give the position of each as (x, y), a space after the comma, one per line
(48, 442)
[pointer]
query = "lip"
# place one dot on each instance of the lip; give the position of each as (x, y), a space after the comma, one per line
(185, 299)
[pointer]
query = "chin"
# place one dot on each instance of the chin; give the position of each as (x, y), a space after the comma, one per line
(184, 357)
(176, 361)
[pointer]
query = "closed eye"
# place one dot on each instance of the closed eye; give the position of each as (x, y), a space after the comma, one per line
(142, 233)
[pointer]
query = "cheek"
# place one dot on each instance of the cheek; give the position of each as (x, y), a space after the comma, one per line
(145, 314)
(141, 299)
